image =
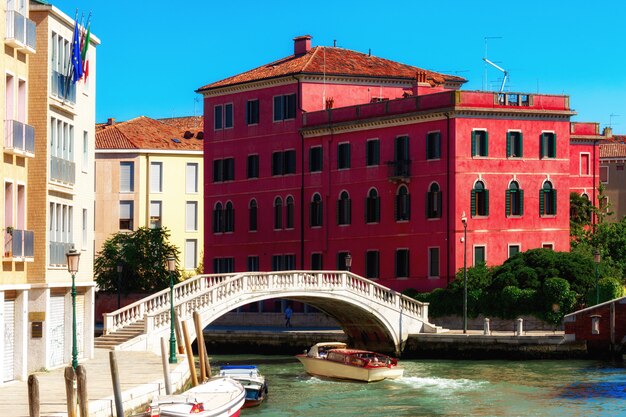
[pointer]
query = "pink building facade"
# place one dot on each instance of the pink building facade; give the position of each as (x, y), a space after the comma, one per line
(331, 154)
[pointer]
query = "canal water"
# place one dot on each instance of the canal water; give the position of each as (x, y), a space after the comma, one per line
(445, 388)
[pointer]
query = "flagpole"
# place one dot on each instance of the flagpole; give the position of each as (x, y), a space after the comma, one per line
(70, 72)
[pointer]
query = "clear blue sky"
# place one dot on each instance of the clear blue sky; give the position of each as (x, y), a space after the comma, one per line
(154, 55)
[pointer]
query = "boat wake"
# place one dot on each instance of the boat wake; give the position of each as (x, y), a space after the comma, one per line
(441, 383)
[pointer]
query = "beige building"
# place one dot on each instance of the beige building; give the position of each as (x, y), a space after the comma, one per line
(613, 175)
(149, 174)
(48, 199)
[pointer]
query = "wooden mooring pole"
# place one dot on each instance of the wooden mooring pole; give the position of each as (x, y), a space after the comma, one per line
(190, 359)
(70, 393)
(83, 399)
(200, 341)
(117, 389)
(33, 396)
(166, 367)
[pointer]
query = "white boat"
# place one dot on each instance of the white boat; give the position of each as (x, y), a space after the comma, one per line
(335, 360)
(251, 379)
(218, 397)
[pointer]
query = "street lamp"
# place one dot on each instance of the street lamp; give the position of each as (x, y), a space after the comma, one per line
(348, 262)
(73, 256)
(596, 259)
(464, 221)
(120, 268)
(171, 267)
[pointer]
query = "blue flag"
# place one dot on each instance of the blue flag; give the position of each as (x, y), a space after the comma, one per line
(77, 62)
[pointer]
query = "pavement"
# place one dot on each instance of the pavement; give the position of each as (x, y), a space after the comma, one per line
(140, 374)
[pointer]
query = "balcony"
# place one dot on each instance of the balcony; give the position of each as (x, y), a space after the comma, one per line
(19, 244)
(58, 251)
(62, 170)
(62, 87)
(19, 138)
(21, 32)
(399, 170)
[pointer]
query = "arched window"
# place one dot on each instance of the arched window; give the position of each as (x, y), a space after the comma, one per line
(278, 213)
(403, 204)
(289, 206)
(229, 217)
(514, 200)
(218, 218)
(547, 200)
(433, 202)
(344, 209)
(480, 200)
(372, 207)
(253, 213)
(315, 212)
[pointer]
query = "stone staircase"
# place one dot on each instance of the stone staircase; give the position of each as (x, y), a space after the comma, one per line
(111, 340)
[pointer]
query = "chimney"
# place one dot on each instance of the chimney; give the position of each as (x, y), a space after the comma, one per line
(607, 132)
(110, 121)
(301, 45)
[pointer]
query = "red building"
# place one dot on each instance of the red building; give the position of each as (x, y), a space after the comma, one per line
(330, 152)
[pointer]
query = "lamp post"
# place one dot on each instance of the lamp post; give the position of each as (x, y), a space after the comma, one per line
(464, 221)
(348, 262)
(596, 259)
(171, 267)
(120, 268)
(73, 256)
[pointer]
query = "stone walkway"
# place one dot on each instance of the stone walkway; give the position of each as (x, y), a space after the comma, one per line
(140, 374)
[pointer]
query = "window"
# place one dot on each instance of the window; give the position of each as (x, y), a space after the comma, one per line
(433, 262)
(155, 214)
(403, 204)
(341, 261)
(514, 144)
(191, 178)
(480, 200)
(126, 215)
(85, 221)
(316, 262)
(433, 145)
(284, 162)
(253, 216)
(514, 200)
(289, 208)
(191, 254)
(604, 175)
(218, 218)
(278, 213)
(191, 215)
(229, 169)
(218, 117)
(127, 177)
(548, 246)
(433, 202)
(290, 262)
(402, 263)
(480, 143)
(284, 107)
(253, 263)
(372, 207)
(223, 265)
(479, 255)
(252, 112)
(514, 250)
(315, 159)
(277, 163)
(548, 145)
(253, 166)
(585, 169)
(316, 211)
(283, 262)
(229, 218)
(228, 116)
(85, 151)
(344, 209)
(372, 153)
(343, 156)
(402, 157)
(156, 177)
(372, 264)
(547, 200)
(223, 169)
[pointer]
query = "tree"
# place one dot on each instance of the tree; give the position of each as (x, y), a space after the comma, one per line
(580, 210)
(143, 254)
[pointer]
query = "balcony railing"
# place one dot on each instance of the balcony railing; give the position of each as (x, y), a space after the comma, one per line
(19, 243)
(62, 87)
(58, 251)
(399, 169)
(62, 170)
(19, 136)
(21, 31)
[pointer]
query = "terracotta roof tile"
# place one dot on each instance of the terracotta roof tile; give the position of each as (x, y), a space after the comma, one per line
(146, 133)
(333, 61)
(614, 148)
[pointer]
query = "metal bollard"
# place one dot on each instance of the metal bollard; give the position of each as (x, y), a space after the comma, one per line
(520, 326)
(486, 330)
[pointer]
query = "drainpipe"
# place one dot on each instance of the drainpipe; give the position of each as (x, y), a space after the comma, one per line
(449, 158)
(302, 223)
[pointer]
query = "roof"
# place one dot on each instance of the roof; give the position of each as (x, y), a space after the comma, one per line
(334, 61)
(614, 147)
(176, 134)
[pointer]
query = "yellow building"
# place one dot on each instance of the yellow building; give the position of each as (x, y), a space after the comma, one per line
(149, 174)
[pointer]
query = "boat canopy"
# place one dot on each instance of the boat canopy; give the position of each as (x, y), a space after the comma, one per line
(322, 347)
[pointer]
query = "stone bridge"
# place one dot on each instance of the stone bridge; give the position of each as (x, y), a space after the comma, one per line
(372, 316)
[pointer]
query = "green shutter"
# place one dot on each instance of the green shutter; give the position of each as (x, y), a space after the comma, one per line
(473, 143)
(348, 155)
(349, 209)
(508, 144)
(554, 201)
(428, 144)
(553, 146)
(377, 209)
(428, 210)
(521, 202)
(473, 203)
(367, 202)
(486, 143)
(438, 145)
(521, 144)
(541, 202)
(338, 211)
(542, 145)
(507, 200)
(486, 202)
(439, 205)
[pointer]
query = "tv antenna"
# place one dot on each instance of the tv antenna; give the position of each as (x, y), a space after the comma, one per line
(505, 72)
(611, 116)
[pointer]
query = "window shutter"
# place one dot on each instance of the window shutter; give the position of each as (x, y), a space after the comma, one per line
(521, 144)
(521, 202)
(377, 209)
(320, 214)
(507, 200)
(553, 146)
(278, 108)
(554, 201)
(348, 155)
(428, 208)
(397, 207)
(473, 143)
(428, 147)
(339, 211)
(508, 144)
(486, 202)
(473, 203)
(541, 203)
(486, 143)
(542, 145)
(439, 205)
(376, 153)
(367, 209)
(349, 211)
(407, 200)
